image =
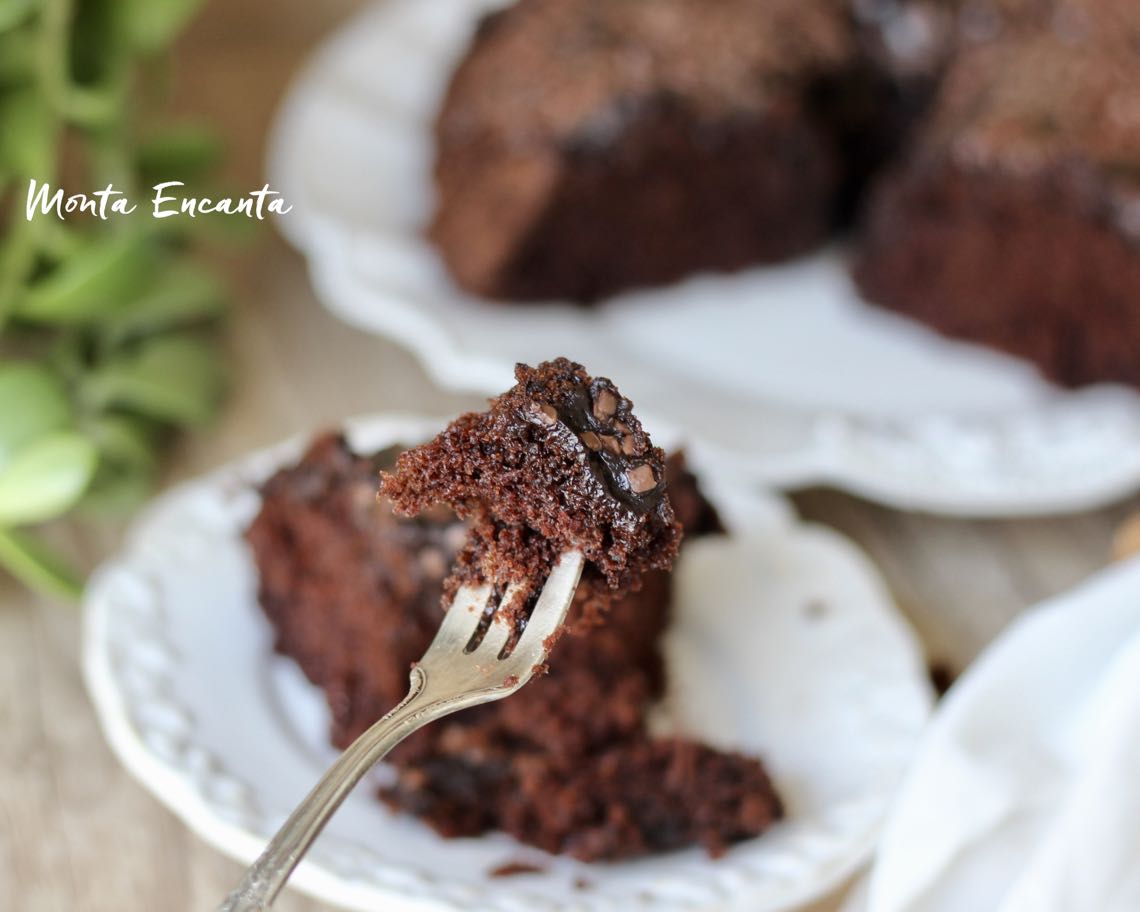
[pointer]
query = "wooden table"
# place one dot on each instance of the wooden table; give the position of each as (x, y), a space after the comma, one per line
(76, 833)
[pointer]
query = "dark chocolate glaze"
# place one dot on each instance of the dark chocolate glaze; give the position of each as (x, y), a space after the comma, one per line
(576, 413)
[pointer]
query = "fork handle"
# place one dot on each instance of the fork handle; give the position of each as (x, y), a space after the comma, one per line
(266, 876)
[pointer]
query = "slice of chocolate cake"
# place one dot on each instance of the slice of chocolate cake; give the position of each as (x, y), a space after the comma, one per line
(589, 146)
(355, 593)
(1015, 222)
(558, 463)
(915, 40)
(910, 44)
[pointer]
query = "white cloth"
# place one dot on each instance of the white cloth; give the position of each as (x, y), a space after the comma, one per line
(1025, 794)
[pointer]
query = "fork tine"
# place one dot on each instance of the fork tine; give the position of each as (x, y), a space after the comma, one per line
(552, 605)
(500, 629)
(462, 618)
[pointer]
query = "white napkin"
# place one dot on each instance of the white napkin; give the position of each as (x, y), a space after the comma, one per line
(1025, 794)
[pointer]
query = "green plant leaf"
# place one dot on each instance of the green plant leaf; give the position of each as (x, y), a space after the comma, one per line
(67, 356)
(173, 378)
(61, 240)
(129, 464)
(33, 402)
(99, 280)
(116, 491)
(125, 441)
(95, 105)
(184, 152)
(27, 134)
(46, 477)
(93, 87)
(38, 567)
(13, 12)
(153, 24)
(17, 53)
(181, 294)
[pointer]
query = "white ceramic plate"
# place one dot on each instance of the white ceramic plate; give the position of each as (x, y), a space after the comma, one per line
(786, 644)
(783, 369)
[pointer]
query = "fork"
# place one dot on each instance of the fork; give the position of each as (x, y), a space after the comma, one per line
(452, 676)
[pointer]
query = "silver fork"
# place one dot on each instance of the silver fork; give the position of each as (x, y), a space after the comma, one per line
(447, 679)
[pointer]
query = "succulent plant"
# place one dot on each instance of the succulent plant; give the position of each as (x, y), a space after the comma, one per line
(107, 327)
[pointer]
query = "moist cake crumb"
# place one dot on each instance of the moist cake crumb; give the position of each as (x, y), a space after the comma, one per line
(514, 868)
(557, 463)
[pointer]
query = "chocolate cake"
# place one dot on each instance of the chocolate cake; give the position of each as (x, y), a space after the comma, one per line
(914, 41)
(1015, 221)
(354, 594)
(625, 143)
(557, 463)
(345, 583)
(589, 146)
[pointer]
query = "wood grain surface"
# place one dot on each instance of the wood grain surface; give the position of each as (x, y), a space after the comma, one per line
(76, 833)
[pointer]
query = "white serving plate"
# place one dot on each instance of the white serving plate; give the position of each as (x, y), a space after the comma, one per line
(783, 370)
(786, 644)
